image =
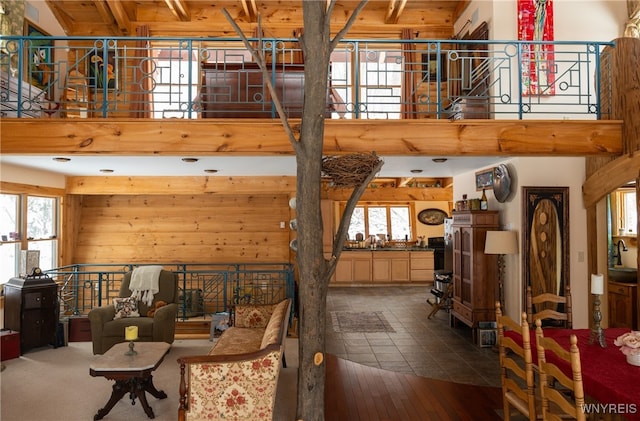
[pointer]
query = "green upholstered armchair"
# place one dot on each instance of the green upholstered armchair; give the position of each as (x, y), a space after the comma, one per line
(107, 331)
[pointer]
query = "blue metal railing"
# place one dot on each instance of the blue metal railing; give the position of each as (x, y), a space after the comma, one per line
(205, 288)
(205, 77)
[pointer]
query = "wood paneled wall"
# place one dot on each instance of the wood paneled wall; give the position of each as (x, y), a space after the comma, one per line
(199, 228)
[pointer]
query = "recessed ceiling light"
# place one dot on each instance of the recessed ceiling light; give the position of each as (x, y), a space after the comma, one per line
(61, 159)
(416, 171)
(211, 171)
(439, 160)
(190, 159)
(106, 170)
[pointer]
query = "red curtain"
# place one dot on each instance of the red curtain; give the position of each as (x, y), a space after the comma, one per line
(141, 104)
(408, 108)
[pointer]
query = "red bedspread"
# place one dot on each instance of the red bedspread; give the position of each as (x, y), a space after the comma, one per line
(606, 375)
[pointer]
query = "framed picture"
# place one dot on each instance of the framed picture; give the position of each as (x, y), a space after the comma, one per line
(484, 179)
(104, 73)
(39, 59)
(430, 67)
(432, 216)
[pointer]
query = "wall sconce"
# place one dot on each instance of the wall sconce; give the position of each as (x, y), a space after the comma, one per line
(501, 243)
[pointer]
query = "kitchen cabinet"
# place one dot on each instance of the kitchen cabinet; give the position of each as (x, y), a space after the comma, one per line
(421, 266)
(623, 305)
(475, 273)
(354, 267)
(31, 309)
(384, 267)
(390, 266)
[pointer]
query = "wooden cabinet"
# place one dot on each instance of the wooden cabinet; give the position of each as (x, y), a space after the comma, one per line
(421, 265)
(237, 90)
(31, 309)
(622, 305)
(390, 266)
(354, 267)
(475, 274)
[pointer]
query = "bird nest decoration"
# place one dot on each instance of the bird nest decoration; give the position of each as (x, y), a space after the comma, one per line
(349, 170)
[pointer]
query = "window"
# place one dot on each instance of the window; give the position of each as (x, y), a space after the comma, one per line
(377, 81)
(36, 216)
(9, 229)
(388, 220)
(625, 208)
(175, 82)
(624, 213)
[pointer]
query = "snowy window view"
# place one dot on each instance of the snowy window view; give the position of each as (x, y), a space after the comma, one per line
(41, 216)
(390, 221)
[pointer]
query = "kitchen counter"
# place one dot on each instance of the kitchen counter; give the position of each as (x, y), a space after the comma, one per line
(387, 265)
(388, 249)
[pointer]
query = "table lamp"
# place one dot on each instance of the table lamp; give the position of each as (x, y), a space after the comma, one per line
(131, 334)
(501, 243)
(597, 289)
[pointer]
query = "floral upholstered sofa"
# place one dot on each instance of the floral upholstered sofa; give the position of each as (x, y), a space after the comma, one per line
(237, 380)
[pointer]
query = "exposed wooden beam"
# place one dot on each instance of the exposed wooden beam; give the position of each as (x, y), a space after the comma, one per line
(179, 9)
(210, 137)
(403, 181)
(393, 195)
(106, 15)
(394, 10)
(120, 15)
(608, 178)
(184, 185)
(250, 10)
(65, 21)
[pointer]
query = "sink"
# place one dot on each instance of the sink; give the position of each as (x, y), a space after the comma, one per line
(625, 275)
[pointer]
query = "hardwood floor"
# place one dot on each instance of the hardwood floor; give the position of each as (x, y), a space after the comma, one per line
(355, 392)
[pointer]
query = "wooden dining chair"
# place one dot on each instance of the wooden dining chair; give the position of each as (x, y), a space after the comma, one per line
(516, 368)
(557, 404)
(553, 310)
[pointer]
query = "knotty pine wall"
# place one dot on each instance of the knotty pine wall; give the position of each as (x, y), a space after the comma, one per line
(198, 228)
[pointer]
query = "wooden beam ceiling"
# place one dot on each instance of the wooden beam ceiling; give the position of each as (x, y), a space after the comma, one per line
(180, 9)
(394, 11)
(120, 15)
(194, 18)
(250, 10)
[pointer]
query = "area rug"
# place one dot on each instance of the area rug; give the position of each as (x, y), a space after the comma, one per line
(360, 321)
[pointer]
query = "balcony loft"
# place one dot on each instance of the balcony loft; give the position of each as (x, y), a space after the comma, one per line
(169, 95)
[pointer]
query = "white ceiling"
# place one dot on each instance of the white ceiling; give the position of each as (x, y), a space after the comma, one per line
(394, 166)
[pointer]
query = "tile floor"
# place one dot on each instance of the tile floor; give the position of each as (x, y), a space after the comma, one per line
(425, 347)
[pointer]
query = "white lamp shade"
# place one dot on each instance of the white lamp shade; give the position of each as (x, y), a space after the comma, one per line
(501, 242)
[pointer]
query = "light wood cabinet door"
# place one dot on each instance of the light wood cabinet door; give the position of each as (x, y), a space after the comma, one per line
(421, 266)
(362, 269)
(344, 271)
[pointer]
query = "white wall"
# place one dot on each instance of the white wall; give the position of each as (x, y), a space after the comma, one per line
(574, 20)
(32, 176)
(551, 172)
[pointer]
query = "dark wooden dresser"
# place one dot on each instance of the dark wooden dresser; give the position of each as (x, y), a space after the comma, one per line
(31, 308)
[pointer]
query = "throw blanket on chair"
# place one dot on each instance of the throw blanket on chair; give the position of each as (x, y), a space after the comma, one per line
(144, 283)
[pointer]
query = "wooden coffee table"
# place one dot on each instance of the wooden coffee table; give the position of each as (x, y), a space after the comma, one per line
(132, 373)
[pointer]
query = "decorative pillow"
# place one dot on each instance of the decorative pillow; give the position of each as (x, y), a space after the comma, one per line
(252, 316)
(126, 307)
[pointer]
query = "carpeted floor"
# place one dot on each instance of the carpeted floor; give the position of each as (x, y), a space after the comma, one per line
(360, 321)
(47, 384)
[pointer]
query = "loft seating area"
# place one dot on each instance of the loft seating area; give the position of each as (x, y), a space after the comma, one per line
(199, 78)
